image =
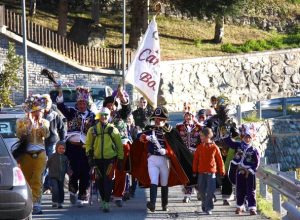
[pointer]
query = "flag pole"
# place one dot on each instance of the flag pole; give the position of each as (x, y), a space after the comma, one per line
(124, 43)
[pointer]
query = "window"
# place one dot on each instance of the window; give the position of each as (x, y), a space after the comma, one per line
(8, 127)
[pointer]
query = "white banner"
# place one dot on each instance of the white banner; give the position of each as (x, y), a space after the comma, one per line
(143, 73)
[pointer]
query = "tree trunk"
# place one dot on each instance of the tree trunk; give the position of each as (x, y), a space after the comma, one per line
(219, 29)
(139, 22)
(95, 11)
(32, 8)
(62, 17)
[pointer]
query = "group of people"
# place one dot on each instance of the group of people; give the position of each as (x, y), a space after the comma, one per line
(126, 148)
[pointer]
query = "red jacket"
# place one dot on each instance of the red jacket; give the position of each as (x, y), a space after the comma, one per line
(208, 159)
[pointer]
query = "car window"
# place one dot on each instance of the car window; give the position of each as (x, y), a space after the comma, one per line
(98, 94)
(8, 127)
(3, 149)
(69, 95)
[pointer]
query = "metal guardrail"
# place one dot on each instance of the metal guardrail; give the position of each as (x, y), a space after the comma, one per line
(282, 184)
(266, 104)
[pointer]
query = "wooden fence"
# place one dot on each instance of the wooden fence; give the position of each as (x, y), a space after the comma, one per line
(87, 56)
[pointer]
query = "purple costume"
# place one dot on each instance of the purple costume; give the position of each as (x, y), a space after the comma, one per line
(242, 172)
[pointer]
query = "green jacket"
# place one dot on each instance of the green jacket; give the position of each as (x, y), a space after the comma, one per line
(101, 143)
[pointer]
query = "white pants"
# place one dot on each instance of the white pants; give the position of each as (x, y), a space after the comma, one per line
(158, 167)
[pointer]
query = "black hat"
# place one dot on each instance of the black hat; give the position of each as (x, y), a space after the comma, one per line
(201, 112)
(109, 99)
(160, 112)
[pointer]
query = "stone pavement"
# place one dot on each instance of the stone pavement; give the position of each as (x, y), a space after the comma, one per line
(136, 209)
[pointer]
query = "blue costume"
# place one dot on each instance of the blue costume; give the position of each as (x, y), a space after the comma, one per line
(242, 172)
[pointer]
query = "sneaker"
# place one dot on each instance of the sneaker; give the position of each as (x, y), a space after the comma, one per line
(238, 211)
(105, 206)
(37, 210)
(209, 212)
(253, 212)
(215, 198)
(165, 208)
(151, 207)
(59, 206)
(198, 196)
(119, 203)
(73, 198)
(54, 205)
(186, 199)
(47, 192)
(226, 202)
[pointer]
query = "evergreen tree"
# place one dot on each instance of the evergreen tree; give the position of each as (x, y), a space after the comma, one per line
(9, 76)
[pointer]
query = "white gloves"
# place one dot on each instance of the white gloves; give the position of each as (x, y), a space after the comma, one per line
(162, 151)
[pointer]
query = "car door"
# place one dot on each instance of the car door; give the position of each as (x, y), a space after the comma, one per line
(6, 167)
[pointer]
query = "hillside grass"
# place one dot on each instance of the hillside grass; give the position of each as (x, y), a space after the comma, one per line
(179, 38)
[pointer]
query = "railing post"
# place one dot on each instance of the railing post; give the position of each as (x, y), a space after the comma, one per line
(239, 114)
(263, 186)
(258, 106)
(276, 196)
(2, 16)
(284, 107)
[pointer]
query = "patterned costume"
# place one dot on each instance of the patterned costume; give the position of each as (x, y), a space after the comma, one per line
(33, 159)
(189, 130)
(242, 172)
(78, 125)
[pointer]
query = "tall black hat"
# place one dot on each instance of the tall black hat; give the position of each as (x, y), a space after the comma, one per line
(160, 112)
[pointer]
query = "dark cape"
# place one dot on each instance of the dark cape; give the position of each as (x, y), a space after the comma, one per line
(181, 160)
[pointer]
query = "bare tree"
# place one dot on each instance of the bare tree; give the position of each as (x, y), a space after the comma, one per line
(139, 21)
(62, 17)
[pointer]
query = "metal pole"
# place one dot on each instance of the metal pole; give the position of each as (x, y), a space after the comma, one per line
(124, 43)
(24, 49)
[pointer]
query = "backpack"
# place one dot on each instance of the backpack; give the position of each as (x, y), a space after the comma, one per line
(109, 132)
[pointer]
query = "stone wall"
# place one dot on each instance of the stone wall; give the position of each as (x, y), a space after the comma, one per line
(284, 145)
(243, 78)
(67, 73)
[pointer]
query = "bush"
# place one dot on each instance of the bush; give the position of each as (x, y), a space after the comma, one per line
(276, 42)
(229, 48)
(293, 39)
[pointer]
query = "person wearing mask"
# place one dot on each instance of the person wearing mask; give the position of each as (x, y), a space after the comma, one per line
(80, 119)
(57, 133)
(34, 129)
(103, 148)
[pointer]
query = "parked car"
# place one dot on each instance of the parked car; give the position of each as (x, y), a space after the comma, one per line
(98, 93)
(15, 193)
(8, 118)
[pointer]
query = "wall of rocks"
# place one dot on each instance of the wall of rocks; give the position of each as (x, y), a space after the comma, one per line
(243, 78)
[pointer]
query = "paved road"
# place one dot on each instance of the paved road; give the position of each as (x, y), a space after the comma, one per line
(136, 209)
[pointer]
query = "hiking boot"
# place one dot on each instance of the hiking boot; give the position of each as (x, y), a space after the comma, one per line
(54, 205)
(226, 202)
(186, 199)
(119, 203)
(238, 211)
(151, 206)
(253, 212)
(59, 206)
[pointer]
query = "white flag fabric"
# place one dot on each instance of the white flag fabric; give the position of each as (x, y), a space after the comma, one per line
(143, 73)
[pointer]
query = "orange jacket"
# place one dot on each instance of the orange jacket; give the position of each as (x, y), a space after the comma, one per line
(208, 159)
